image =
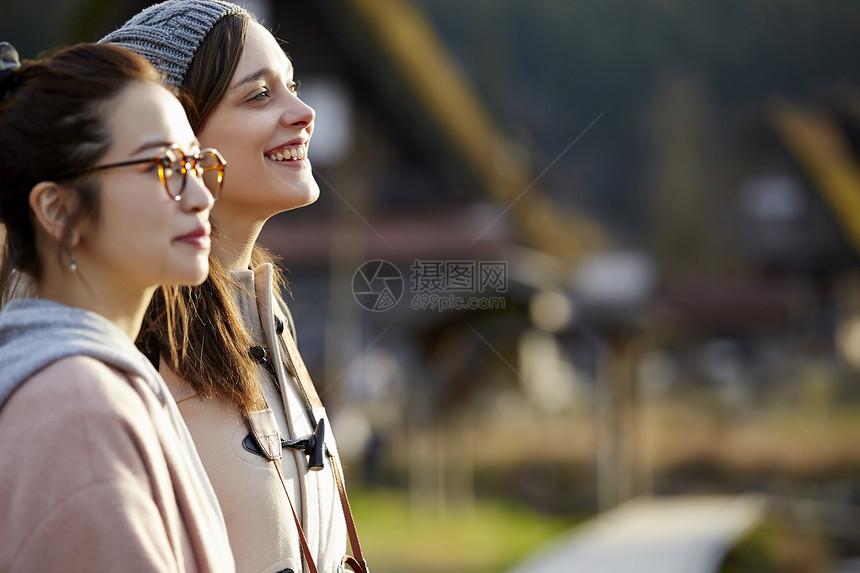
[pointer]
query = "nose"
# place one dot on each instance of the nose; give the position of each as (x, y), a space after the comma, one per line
(196, 195)
(297, 113)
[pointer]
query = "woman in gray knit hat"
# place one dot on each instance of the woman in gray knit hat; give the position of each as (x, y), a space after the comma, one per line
(238, 378)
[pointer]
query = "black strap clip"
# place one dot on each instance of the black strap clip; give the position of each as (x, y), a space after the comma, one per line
(313, 446)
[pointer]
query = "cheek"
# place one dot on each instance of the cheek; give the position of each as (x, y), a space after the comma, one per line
(136, 224)
(239, 133)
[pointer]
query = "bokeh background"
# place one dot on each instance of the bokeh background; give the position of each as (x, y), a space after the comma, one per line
(581, 273)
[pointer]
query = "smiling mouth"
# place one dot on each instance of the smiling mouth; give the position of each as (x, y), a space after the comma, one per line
(288, 154)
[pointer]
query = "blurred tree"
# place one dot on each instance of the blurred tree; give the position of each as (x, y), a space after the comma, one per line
(681, 169)
(546, 69)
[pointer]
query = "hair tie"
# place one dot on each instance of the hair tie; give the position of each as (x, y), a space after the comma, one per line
(10, 63)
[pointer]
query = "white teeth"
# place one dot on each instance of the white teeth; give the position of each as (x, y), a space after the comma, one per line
(288, 154)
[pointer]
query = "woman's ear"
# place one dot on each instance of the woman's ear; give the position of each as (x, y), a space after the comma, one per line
(53, 205)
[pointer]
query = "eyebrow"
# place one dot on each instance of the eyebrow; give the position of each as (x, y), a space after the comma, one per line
(257, 75)
(161, 143)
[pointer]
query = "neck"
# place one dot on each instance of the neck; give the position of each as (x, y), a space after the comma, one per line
(123, 307)
(234, 242)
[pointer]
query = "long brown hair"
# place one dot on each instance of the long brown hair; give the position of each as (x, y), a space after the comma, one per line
(212, 349)
(54, 122)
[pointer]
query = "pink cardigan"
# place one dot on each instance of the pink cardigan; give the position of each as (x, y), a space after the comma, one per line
(93, 478)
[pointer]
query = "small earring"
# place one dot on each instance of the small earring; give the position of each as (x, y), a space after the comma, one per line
(73, 264)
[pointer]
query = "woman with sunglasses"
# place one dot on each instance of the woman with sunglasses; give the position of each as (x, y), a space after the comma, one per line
(102, 197)
(238, 379)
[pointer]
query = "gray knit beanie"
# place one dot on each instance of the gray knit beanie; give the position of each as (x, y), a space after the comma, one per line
(168, 34)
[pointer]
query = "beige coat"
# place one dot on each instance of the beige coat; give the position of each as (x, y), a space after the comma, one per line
(94, 477)
(261, 528)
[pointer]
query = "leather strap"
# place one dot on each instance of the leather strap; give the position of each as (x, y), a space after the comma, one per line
(294, 361)
(300, 371)
(357, 563)
(309, 559)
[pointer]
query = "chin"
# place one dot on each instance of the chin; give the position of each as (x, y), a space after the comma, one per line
(195, 272)
(199, 277)
(300, 198)
(202, 269)
(313, 195)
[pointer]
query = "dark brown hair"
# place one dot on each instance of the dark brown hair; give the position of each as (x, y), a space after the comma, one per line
(212, 353)
(54, 122)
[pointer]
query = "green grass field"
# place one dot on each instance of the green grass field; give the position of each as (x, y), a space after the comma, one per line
(491, 538)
